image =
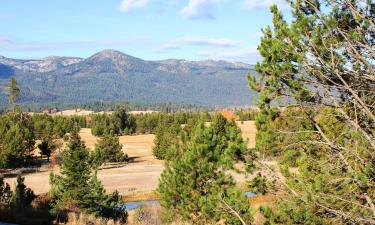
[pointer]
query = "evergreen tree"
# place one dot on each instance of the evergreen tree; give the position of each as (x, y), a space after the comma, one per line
(17, 139)
(322, 63)
(22, 196)
(13, 93)
(123, 122)
(165, 136)
(195, 185)
(46, 147)
(108, 149)
(73, 184)
(78, 185)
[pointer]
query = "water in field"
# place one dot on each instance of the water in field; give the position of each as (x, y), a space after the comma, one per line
(133, 205)
(249, 194)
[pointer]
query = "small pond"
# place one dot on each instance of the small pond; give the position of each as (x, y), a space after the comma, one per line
(133, 205)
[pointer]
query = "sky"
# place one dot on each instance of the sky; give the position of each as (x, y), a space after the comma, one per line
(148, 29)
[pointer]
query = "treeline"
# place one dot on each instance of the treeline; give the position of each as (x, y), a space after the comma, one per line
(19, 132)
(99, 106)
(120, 122)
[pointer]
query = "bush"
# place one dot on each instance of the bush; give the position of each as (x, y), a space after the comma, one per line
(147, 214)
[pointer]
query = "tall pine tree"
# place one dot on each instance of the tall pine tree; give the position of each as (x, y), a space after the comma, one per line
(78, 186)
(195, 185)
(321, 64)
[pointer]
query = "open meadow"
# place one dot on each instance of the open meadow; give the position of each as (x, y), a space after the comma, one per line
(139, 176)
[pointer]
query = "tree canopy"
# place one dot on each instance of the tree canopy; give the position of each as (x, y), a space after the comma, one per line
(320, 66)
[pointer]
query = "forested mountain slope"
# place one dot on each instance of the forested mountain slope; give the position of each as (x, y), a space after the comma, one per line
(114, 76)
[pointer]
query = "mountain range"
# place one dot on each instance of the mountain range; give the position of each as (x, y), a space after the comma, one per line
(111, 75)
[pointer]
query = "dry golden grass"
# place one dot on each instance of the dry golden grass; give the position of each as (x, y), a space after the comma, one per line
(83, 219)
(137, 178)
(141, 196)
(249, 132)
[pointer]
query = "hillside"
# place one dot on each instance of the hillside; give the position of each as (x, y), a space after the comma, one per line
(114, 76)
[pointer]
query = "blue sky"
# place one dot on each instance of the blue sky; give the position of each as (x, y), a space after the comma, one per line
(148, 29)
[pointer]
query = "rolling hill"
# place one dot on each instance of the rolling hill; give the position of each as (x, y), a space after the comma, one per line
(111, 75)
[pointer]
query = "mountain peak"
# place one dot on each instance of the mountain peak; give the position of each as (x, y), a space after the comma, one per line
(112, 54)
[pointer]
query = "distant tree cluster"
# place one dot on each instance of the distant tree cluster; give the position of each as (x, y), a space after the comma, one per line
(123, 123)
(46, 125)
(17, 139)
(19, 132)
(120, 122)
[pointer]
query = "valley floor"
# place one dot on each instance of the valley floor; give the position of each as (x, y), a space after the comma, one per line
(141, 175)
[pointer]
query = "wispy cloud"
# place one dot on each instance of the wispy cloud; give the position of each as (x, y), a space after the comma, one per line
(257, 4)
(200, 9)
(131, 5)
(198, 41)
(248, 55)
(166, 48)
(206, 41)
(8, 43)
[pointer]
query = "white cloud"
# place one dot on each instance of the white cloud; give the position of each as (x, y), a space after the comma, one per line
(131, 5)
(199, 9)
(256, 4)
(248, 55)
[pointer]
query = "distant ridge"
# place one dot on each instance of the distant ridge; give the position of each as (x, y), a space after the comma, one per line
(111, 75)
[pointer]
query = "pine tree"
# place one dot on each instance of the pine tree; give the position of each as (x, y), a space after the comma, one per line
(46, 147)
(166, 136)
(17, 139)
(108, 149)
(73, 184)
(78, 185)
(13, 93)
(22, 196)
(321, 65)
(194, 184)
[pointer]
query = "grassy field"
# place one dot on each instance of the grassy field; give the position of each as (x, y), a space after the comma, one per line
(141, 175)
